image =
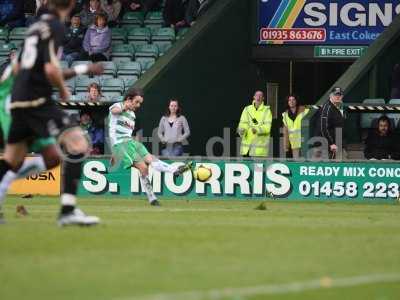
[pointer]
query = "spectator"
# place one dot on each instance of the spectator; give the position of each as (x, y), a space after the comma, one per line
(73, 40)
(97, 41)
(144, 5)
(95, 133)
(292, 119)
(381, 141)
(174, 13)
(255, 127)
(113, 9)
(395, 92)
(11, 55)
(12, 13)
(89, 13)
(329, 122)
(173, 130)
(94, 93)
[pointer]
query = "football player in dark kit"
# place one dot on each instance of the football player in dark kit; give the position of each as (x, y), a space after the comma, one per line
(35, 116)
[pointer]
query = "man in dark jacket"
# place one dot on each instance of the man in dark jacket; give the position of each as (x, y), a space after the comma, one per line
(73, 40)
(330, 122)
(381, 142)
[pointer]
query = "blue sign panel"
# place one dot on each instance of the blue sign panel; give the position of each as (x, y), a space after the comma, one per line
(357, 22)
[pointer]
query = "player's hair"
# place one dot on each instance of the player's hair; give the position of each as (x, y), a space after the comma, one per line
(99, 16)
(59, 4)
(132, 93)
(178, 111)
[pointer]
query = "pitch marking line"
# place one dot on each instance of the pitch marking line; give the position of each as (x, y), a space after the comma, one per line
(273, 289)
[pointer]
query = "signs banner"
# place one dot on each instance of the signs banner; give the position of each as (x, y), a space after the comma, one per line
(313, 181)
(46, 184)
(357, 22)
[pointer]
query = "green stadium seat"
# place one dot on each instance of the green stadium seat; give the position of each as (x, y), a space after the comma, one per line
(122, 51)
(375, 101)
(80, 62)
(394, 116)
(132, 68)
(82, 82)
(154, 19)
(163, 34)
(119, 98)
(132, 18)
(368, 118)
(118, 35)
(394, 101)
(112, 85)
(109, 68)
(139, 34)
(129, 82)
(148, 50)
(5, 48)
(163, 46)
(146, 63)
(17, 35)
(4, 32)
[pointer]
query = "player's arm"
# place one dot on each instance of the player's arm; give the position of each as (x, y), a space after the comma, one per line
(92, 69)
(116, 109)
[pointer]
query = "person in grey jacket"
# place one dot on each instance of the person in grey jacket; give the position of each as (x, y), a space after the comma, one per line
(97, 41)
(173, 130)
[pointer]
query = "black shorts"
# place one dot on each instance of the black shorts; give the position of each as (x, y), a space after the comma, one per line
(47, 120)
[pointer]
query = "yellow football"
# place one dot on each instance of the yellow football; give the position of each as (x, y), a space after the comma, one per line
(202, 173)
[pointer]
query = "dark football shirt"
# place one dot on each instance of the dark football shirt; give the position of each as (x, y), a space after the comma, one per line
(41, 46)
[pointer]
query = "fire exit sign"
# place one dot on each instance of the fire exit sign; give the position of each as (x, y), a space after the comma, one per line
(339, 51)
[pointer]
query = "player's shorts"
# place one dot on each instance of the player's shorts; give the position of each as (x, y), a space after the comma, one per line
(129, 152)
(43, 122)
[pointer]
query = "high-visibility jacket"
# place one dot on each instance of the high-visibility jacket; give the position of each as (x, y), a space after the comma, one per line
(294, 128)
(255, 144)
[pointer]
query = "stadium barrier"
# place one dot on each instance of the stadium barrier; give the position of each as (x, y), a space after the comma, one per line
(255, 180)
(46, 183)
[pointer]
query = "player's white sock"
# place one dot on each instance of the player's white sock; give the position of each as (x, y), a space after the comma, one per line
(148, 188)
(30, 166)
(68, 200)
(161, 166)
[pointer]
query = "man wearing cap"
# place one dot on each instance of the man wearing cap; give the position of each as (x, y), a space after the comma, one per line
(330, 121)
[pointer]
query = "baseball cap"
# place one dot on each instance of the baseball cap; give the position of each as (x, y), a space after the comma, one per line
(337, 91)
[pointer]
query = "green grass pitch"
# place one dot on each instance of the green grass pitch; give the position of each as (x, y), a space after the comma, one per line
(202, 250)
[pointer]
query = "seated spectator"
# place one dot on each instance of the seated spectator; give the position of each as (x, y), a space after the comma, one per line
(73, 40)
(11, 55)
(12, 13)
(174, 13)
(381, 142)
(97, 41)
(94, 93)
(173, 130)
(89, 13)
(144, 5)
(113, 9)
(95, 133)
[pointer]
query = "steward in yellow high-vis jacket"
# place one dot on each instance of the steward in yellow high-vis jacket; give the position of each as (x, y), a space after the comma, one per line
(255, 127)
(292, 119)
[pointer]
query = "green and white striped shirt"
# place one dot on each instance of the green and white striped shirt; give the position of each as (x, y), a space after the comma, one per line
(121, 125)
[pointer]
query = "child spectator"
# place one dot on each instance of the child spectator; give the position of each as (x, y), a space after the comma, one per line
(97, 41)
(89, 13)
(94, 93)
(95, 133)
(173, 130)
(113, 9)
(73, 40)
(381, 142)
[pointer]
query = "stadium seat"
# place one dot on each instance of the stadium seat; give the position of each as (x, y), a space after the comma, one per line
(132, 18)
(142, 35)
(132, 68)
(4, 34)
(181, 33)
(5, 49)
(154, 19)
(148, 50)
(122, 52)
(146, 63)
(118, 35)
(109, 68)
(375, 101)
(115, 85)
(17, 35)
(82, 82)
(163, 46)
(80, 62)
(367, 118)
(129, 82)
(394, 101)
(163, 34)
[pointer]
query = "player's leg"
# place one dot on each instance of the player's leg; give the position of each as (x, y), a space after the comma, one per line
(146, 184)
(76, 147)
